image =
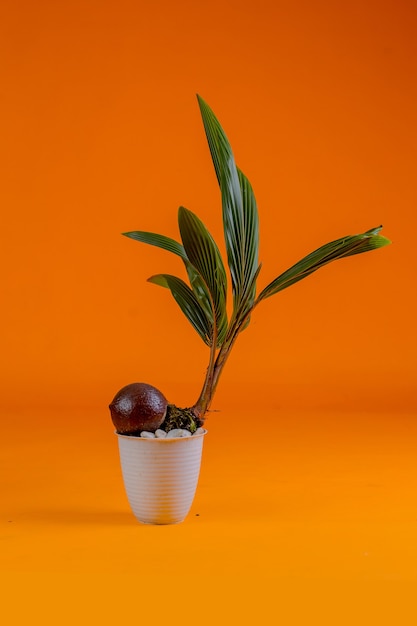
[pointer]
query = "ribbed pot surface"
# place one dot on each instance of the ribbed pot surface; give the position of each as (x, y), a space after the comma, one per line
(160, 476)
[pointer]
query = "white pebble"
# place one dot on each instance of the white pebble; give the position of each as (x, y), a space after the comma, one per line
(178, 432)
(160, 434)
(147, 435)
(175, 432)
(200, 431)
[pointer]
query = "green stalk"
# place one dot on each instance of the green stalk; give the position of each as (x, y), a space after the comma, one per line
(216, 366)
(201, 406)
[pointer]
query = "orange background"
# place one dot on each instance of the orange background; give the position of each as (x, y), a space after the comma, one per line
(101, 134)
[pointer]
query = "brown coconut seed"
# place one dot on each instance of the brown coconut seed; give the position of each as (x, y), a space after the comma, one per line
(137, 407)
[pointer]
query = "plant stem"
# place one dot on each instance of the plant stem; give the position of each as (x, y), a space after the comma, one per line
(201, 406)
(215, 368)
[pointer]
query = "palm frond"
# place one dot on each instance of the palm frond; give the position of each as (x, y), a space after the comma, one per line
(188, 303)
(338, 249)
(166, 243)
(240, 213)
(160, 241)
(204, 255)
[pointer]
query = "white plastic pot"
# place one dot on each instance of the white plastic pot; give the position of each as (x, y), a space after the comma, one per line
(160, 476)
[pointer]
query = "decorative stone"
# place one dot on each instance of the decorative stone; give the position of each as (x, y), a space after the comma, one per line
(147, 435)
(178, 432)
(200, 431)
(175, 432)
(160, 434)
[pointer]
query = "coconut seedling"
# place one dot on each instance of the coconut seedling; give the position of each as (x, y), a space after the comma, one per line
(140, 408)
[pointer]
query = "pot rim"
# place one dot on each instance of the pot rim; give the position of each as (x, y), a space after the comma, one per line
(161, 439)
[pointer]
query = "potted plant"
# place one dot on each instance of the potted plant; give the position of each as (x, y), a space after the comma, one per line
(160, 443)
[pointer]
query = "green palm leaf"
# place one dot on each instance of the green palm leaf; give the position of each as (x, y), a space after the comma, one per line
(160, 241)
(338, 249)
(240, 213)
(188, 303)
(249, 261)
(166, 243)
(204, 255)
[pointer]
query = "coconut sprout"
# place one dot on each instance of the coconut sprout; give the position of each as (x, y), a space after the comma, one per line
(203, 299)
